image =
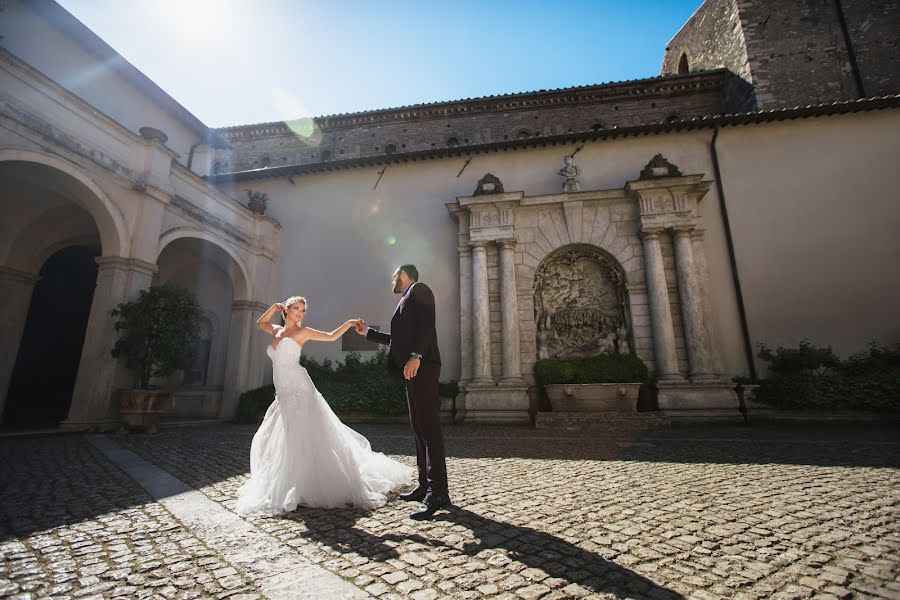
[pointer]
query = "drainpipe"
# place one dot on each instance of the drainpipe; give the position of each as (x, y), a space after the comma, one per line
(191, 154)
(726, 225)
(851, 53)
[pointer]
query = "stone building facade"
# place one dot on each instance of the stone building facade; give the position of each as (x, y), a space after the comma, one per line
(689, 260)
(473, 122)
(794, 53)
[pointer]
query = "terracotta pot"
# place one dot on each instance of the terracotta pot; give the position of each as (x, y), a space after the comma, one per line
(593, 397)
(140, 409)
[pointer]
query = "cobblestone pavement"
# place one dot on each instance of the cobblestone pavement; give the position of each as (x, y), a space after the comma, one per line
(73, 526)
(695, 513)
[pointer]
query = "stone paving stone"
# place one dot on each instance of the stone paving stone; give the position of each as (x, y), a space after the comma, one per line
(699, 513)
(703, 513)
(73, 525)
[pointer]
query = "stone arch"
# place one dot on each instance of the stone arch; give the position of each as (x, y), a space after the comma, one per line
(684, 65)
(242, 282)
(85, 192)
(581, 304)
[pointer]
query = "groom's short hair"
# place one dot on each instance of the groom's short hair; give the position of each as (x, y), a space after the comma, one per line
(410, 270)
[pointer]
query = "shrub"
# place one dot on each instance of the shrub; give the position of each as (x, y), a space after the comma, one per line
(810, 377)
(355, 385)
(449, 389)
(252, 404)
(358, 385)
(596, 369)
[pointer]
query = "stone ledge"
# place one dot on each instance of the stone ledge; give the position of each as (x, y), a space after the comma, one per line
(611, 422)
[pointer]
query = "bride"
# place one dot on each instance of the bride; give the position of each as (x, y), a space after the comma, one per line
(302, 454)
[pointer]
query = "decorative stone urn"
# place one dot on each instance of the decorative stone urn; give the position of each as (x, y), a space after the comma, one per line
(593, 397)
(140, 409)
(257, 201)
(154, 135)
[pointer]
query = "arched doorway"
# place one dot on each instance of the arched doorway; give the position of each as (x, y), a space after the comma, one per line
(217, 280)
(56, 221)
(40, 389)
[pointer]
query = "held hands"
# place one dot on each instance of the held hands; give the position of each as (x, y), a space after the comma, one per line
(360, 326)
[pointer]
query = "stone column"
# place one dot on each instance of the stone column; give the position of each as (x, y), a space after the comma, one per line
(715, 360)
(481, 317)
(660, 309)
(689, 289)
(465, 314)
(99, 375)
(238, 361)
(509, 311)
(15, 289)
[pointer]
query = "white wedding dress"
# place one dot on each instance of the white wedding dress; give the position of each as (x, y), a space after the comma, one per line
(303, 455)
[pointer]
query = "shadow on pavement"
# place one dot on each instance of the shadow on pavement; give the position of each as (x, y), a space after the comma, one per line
(533, 548)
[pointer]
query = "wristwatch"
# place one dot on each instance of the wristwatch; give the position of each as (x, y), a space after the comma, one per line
(415, 355)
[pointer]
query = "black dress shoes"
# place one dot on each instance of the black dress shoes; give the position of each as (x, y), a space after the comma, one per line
(415, 495)
(432, 504)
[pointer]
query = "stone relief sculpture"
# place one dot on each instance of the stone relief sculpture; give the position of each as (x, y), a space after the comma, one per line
(579, 305)
(570, 172)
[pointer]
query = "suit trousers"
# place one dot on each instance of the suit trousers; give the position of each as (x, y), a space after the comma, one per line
(424, 416)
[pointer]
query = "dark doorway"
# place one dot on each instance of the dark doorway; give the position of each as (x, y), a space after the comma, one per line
(40, 390)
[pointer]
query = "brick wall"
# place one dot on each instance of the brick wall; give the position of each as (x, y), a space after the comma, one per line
(794, 52)
(470, 122)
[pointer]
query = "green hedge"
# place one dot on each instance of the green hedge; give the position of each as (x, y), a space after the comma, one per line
(812, 377)
(596, 369)
(352, 386)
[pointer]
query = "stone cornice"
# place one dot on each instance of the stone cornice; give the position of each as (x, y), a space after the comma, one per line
(640, 88)
(692, 124)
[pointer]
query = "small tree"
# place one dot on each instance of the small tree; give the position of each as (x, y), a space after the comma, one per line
(157, 332)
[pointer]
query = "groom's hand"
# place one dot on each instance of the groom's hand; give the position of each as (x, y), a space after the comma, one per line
(411, 367)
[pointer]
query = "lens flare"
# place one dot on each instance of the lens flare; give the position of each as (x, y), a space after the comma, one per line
(392, 240)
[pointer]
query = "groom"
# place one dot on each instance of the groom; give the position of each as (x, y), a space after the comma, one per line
(414, 355)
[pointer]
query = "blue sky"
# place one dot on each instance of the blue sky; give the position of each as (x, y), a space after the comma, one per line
(235, 62)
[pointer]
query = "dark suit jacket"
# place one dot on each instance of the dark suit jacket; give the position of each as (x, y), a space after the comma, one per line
(412, 330)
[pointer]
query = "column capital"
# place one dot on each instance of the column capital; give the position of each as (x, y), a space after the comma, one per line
(10, 274)
(650, 233)
(683, 231)
(479, 245)
(249, 305)
(697, 233)
(126, 264)
(464, 249)
(507, 243)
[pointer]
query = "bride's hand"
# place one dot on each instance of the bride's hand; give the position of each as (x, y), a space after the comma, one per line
(278, 305)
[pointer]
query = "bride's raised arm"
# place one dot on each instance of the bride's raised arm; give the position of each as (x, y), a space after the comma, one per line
(263, 321)
(308, 333)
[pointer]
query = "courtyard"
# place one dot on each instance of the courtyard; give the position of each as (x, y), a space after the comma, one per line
(703, 512)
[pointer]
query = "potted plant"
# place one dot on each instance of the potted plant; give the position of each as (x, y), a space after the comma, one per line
(157, 336)
(594, 384)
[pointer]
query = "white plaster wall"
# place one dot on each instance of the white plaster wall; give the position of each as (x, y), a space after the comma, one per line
(815, 214)
(29, 37)
(337, 230)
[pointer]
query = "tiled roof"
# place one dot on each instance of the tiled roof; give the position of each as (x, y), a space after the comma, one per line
(723, 120)
(667, 80)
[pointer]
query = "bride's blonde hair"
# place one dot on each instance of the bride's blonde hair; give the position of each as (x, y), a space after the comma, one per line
(292, 300)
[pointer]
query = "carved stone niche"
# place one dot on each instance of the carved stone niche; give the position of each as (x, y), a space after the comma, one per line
(579, 305)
